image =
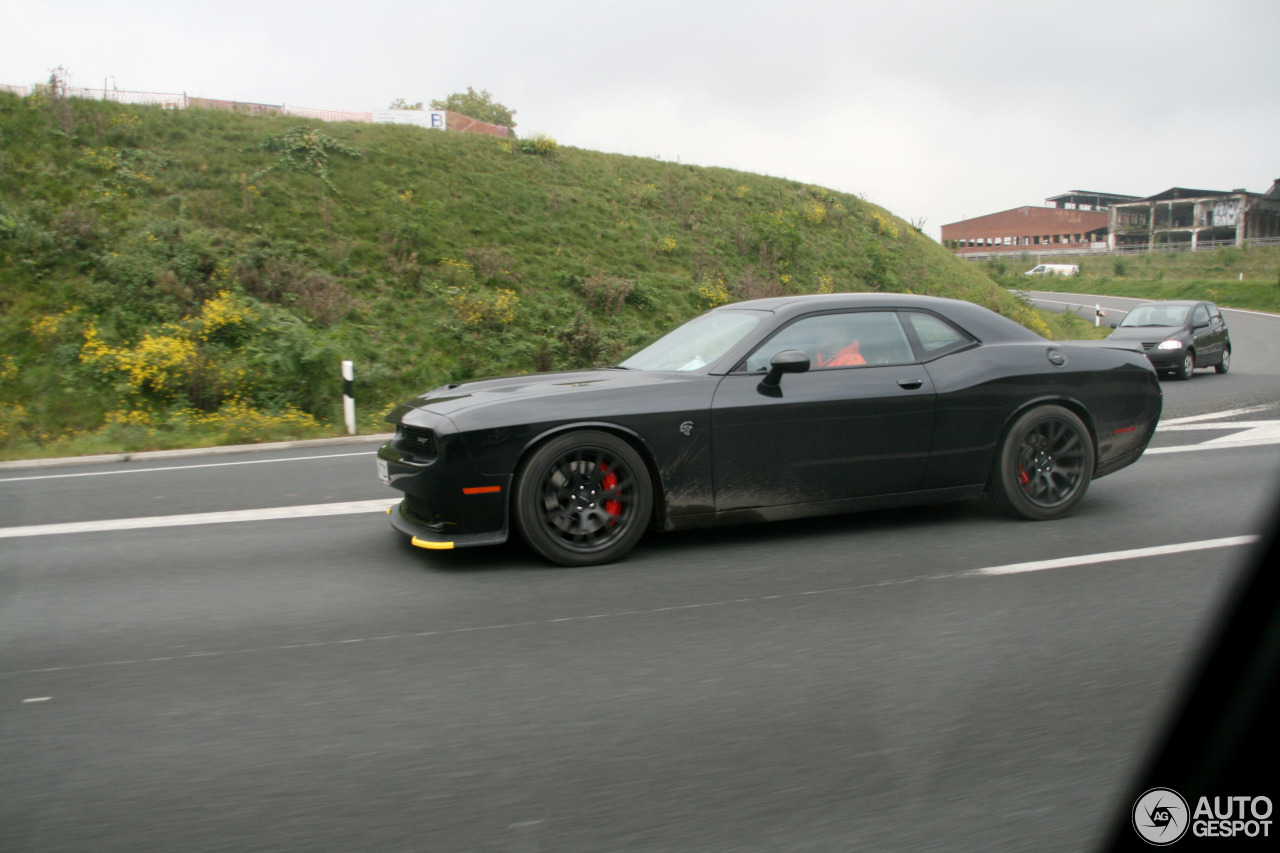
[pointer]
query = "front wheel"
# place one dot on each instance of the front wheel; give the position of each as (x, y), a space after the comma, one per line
(1044, 464)
(1188, 365)
(1224, 365)
(583, 498)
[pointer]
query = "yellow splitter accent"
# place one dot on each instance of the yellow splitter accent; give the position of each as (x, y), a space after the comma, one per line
(434, 546)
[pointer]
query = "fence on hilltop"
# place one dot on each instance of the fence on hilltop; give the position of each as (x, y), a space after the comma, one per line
(171, 101)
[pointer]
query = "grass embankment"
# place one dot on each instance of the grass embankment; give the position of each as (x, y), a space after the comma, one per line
(180, 278)
(1232, 278)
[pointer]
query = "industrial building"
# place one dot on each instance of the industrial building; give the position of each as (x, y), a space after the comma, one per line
(1087, 200)
(1181, 218)
(1081, 221)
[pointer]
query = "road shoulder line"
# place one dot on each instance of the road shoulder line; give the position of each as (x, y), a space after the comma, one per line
(152, 455)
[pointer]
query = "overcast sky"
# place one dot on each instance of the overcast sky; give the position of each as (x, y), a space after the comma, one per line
(935, 110)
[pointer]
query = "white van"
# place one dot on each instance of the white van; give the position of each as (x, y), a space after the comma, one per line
(1054, 269)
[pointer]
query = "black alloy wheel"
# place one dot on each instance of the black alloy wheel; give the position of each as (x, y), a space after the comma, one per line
(1044, 464)
(1188, 366)
(583, 498)
(1224, 365)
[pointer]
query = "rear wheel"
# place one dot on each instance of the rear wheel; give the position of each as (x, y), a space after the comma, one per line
(1044, 464)
(1188, 365)
(583, 498)
(1224, 365)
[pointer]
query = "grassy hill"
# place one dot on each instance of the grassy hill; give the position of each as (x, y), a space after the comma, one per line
(173, 278)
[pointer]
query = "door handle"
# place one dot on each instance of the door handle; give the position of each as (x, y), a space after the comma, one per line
(910, 384)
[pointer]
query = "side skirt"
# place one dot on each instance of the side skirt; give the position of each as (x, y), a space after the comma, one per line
(808, 510)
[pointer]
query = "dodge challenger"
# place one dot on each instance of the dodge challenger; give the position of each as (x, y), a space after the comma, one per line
(771, 409)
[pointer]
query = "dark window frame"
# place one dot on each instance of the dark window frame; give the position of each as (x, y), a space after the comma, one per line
(740, 368)
(924, 356)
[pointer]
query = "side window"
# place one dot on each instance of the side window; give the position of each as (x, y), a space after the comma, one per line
(849, 339)
(1214, 314)
(937, 337)
(1201, 316)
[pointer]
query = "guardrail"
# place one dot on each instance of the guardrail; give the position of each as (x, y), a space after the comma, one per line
(1080, 309)
(1202, 246)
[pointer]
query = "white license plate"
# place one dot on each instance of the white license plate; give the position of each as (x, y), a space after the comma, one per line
(383, 474)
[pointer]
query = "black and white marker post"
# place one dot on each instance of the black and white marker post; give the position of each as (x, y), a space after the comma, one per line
(349, 397)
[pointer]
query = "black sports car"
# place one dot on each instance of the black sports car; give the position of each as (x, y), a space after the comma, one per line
(770, 409)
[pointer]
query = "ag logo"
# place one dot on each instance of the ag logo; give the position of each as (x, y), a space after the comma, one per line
(1161, 817)
(686, 427)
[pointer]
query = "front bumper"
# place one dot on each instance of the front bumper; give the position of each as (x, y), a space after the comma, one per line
(1164, 359)
(424, 536)
(447, 503)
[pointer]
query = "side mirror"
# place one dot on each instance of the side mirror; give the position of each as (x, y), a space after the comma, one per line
(1113, 325)
(787, 361)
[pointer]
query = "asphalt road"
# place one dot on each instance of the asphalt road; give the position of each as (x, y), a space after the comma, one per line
(314, 683)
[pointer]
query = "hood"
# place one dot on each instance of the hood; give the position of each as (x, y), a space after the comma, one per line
(456, 397)
(1144, 333)
(1133, 345)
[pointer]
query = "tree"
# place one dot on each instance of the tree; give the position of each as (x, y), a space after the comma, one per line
(477, 105)
(399, 104)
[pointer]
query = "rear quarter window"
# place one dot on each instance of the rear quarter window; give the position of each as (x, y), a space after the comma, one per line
(937, 337)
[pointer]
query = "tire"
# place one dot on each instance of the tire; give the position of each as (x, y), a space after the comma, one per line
(1044, 464)
(583, 499)
(1188, 365)
(1224, 365)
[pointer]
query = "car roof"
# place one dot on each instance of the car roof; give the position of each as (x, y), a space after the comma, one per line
(818, 301)
(982, 323)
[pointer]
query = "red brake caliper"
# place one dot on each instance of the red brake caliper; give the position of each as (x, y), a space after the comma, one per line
(1023, 477)
(609, 482)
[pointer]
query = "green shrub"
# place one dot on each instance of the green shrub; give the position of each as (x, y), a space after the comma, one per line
(539, 144)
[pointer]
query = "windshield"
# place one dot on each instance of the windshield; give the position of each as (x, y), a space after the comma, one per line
(697, 343)
(1156, 315)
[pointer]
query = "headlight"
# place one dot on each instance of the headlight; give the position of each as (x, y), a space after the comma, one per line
(1170, 345)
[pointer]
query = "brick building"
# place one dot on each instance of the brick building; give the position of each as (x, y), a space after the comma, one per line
(1028, 229)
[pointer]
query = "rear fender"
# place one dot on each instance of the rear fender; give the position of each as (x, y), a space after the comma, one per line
(1070, 403)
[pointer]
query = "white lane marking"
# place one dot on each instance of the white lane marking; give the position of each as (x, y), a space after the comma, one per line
(1212, 416)
(35, 699)
(1114, 556)
(184, 467)
(270, 514)
(1261, 429)
(1259, 432)
(1217, 444)
(1059, 302)
(1139, 299)
(994, 571)
(1247, 311)
(1245, 433)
